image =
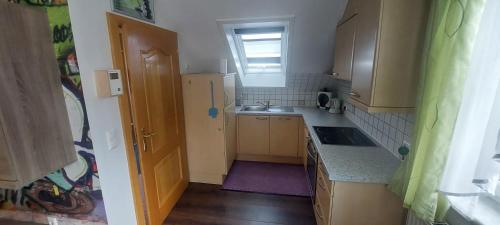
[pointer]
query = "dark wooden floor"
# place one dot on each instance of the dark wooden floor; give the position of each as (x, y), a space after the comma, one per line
(10, 222)
(204, 204)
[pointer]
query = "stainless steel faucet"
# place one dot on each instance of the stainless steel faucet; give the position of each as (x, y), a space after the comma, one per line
(267, 104)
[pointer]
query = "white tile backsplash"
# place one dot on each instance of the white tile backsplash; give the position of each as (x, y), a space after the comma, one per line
(301, 90)
(389, 129)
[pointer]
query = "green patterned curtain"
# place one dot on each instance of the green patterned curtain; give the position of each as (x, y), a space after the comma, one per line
(450, 37)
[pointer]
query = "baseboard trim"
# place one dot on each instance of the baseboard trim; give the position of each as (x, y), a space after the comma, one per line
(206, 178)
(271, 159)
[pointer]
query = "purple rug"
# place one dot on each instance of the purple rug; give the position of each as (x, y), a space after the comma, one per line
(270, 178)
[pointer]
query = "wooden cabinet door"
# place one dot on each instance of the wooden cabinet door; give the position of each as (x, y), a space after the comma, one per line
(253, 135)
(204, 134)
(344, 49)
(367, 23)
(351, 9)
(306, 138)
(284, 136)
(230, 135)
(379, 205)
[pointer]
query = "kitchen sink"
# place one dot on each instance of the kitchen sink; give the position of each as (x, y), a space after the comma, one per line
(261, 108)
(257, 108)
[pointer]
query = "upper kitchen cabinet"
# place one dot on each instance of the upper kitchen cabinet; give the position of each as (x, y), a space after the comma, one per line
(344, 49)
(35, 133)
(388, 46)
(350, 10)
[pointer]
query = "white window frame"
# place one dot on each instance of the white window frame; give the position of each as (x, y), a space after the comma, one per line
(227, 27)
(242, 56)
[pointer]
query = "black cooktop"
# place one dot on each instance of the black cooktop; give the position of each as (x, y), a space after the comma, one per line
(342, 136)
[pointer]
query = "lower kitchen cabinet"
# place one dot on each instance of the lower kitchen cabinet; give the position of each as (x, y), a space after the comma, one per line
(253, 135)
(284, 136)
(350, 203)
(270, 138)
(305, 137)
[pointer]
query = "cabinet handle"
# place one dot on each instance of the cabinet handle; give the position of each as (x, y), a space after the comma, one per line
(335, 74)
(261, 118)
(354, 94)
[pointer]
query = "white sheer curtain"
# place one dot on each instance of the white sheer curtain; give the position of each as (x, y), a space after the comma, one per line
(473, 165)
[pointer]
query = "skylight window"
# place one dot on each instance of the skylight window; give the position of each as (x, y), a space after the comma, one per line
(259, 51)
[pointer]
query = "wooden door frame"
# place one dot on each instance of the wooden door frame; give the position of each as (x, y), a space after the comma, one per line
(125, 104)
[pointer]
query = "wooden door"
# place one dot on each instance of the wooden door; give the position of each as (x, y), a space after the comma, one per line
(284, 136)
(344, 49)
(367, 24)
(151, 59)
(253, 135)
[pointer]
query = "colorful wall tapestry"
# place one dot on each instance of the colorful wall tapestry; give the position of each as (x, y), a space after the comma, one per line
(75, 189)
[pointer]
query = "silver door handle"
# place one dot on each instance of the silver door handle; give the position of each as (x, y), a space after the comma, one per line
(144, 136)
(261, 118)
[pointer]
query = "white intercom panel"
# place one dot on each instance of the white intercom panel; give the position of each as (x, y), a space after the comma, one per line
(108, 83)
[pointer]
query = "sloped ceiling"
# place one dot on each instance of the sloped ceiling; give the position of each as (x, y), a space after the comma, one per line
(201, 44)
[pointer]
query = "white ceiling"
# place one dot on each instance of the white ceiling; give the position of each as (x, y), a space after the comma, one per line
(201, 44)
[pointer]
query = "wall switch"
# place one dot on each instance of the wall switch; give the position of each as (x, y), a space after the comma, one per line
(112, 139)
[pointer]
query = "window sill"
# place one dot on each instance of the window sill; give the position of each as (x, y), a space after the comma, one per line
(476, 210)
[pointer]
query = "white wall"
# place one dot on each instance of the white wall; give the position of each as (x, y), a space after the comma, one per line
(201, 44)
(89, 25)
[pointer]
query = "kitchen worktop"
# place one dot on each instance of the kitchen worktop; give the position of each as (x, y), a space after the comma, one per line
(344, 163)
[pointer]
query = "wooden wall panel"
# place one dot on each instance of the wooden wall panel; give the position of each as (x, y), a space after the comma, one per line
(32, 108)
